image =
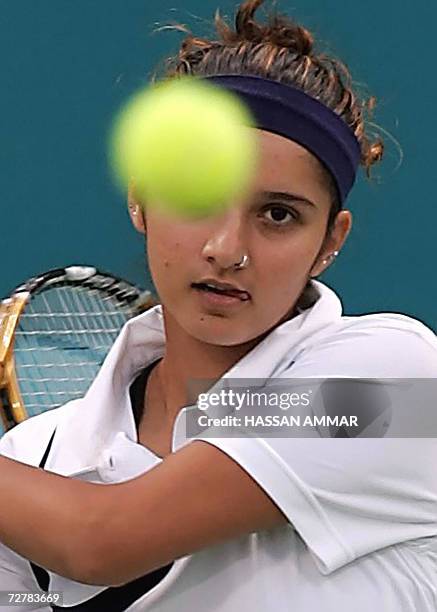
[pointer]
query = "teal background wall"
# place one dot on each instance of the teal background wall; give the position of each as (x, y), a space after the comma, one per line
(67, 65)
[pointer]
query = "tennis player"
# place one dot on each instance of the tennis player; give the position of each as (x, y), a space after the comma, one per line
(225, 523)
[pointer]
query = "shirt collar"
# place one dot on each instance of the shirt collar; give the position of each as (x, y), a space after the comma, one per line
(88, 427)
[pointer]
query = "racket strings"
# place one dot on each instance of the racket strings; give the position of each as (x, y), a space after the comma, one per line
(62, 339)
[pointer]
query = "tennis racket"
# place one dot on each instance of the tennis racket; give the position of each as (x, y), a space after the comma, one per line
(55, 331)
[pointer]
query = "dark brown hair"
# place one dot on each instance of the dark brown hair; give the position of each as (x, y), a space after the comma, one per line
(281, 50)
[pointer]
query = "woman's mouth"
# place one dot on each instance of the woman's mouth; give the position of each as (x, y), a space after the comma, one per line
(221, 297)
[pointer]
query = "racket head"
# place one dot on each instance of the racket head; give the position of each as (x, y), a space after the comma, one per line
(56, 331)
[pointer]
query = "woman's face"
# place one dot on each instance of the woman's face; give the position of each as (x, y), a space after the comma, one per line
(282, 234)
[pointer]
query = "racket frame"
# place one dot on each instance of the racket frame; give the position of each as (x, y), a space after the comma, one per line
(12, 409)
(11, 403)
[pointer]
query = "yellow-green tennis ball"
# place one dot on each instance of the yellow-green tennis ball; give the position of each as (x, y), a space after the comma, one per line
(185, 146)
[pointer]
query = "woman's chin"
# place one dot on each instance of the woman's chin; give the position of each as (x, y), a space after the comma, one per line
(222, 332)
(215, 326)
(219, 337)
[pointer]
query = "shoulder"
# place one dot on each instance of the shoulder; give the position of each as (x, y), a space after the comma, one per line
(380, 345)
(383, 325)
(27, 441)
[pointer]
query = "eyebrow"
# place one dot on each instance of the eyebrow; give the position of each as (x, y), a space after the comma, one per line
(287, 196)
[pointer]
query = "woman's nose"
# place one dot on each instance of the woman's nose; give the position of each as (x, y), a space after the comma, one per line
(225, 245)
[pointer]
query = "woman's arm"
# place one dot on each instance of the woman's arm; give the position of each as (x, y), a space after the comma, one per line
(111, 534)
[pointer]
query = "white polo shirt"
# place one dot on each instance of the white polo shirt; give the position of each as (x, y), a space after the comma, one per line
(362, 512)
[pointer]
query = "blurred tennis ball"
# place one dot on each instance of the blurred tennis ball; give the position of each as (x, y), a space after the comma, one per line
(185, 147)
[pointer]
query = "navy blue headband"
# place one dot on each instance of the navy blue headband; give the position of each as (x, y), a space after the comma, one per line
(290, 112)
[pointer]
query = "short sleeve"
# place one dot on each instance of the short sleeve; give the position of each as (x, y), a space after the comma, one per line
(27, 441)
(15, 571)
(350, 497)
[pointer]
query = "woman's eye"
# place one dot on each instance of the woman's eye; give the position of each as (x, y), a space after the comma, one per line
(280, 214)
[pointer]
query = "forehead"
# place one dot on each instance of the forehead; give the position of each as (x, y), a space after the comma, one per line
(284, 165)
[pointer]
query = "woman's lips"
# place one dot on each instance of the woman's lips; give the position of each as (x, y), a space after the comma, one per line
(212, 298)
(244, 296)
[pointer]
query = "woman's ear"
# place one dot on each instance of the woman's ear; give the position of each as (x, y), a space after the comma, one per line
(136, 212)
(333, 245)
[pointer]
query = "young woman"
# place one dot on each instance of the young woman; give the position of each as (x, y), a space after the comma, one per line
(219, 524)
